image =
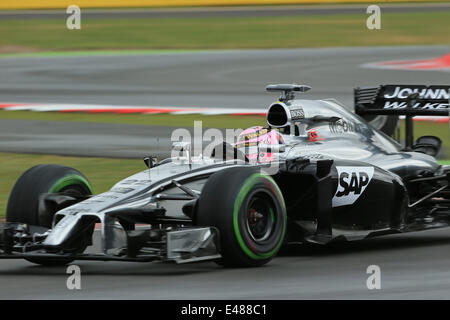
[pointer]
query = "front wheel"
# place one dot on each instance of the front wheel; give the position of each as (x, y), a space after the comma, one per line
(248, 209)
(23, 203)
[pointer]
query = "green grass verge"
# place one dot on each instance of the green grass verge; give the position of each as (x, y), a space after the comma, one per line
(225, 33)
(219, 121)
(79, 53)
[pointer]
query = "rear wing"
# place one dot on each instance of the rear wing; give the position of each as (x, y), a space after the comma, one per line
(408, 100)
(404, 100)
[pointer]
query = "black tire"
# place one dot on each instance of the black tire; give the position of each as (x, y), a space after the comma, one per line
(248, 209)
(23, 201)
(386, 124)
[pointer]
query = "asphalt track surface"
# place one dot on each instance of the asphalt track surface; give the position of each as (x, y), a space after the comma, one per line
(84, 139)
(221, 79)
(413, 266)
(232, 11)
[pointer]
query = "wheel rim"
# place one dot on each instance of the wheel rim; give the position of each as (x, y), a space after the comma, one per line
(260, 217)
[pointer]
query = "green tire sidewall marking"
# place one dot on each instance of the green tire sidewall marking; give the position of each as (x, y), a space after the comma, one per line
(272, 216)
(69, 180)
(248, 185)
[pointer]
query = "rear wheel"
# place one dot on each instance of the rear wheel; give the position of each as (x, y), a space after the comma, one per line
(248, 209)
(23, 202)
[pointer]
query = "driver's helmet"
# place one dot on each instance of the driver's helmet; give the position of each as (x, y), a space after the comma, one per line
(250, 138)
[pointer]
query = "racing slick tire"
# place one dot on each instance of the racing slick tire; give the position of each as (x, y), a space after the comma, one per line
(248, 209)
(23, 202)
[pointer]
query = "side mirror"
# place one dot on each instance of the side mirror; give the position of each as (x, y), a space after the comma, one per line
(183, 147)
(150, 162)
(428, 144)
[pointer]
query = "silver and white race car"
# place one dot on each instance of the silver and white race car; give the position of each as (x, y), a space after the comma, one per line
(317, 173)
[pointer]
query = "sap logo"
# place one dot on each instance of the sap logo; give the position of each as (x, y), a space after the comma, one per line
(351, 184)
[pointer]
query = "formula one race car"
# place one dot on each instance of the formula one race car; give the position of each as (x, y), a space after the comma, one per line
(317, 173)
